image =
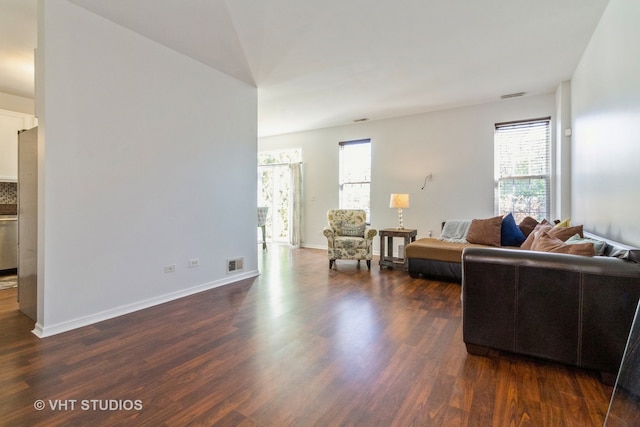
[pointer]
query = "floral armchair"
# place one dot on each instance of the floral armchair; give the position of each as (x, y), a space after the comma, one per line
(348, 236)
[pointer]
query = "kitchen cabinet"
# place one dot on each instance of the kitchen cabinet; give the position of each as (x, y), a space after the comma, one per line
(10, 123)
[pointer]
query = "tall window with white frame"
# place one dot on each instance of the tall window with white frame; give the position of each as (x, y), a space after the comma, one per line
(523, 168)
(355, 175)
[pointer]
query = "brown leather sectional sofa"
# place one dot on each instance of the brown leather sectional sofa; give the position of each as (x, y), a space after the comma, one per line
(565, 308)
(436, 259)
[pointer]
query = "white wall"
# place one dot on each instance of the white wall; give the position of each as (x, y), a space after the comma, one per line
(456, 146)
(606, 122)
(147, 159)
(562, 160)
(19, 104)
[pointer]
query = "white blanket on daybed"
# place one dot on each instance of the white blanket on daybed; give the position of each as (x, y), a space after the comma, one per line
(455, 231)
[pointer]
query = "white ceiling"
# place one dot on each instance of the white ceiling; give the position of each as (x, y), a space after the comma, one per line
(325, 63)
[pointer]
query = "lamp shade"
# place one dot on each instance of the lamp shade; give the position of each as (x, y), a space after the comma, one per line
(399, 201)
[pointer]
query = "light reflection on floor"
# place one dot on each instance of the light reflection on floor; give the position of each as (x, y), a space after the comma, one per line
(354, 322)
(275, 268)
(8, 281)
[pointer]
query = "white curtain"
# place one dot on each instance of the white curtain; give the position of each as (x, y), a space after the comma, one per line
(295, 205)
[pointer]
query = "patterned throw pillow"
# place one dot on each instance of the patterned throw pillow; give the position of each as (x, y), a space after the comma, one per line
(353, 230)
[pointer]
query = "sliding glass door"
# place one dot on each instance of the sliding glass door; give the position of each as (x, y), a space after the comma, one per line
(273, 192)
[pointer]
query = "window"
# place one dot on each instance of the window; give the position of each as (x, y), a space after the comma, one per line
(522, 168)
(355, 175)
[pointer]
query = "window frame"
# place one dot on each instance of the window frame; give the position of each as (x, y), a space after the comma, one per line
(342, 181)
(545, 176)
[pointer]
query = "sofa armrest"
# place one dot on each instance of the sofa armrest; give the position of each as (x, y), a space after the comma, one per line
(566, 308)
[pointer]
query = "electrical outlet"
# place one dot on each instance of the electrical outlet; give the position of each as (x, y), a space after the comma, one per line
(169, 268)
(194, 262)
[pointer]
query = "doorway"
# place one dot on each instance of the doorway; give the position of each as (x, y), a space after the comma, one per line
(274, 191)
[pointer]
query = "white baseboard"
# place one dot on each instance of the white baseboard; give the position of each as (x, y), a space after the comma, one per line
(314, 246)
(377, 253)
(48, 330)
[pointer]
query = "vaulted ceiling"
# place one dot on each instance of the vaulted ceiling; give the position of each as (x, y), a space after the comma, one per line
(325, 63)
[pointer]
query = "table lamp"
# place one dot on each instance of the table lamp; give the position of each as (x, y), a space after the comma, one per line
(399, 201)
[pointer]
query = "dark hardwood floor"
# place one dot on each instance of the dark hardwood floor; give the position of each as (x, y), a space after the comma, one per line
(301, 345)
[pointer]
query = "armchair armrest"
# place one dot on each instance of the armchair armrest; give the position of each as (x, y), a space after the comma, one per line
(370, 233)
(328, 232)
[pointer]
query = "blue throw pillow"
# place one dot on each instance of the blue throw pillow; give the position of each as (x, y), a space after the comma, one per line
(510, 233)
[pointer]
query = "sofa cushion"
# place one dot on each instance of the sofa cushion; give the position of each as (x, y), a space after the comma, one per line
(348, 245)
(564, 233)
(485, 231)
(537, 229)
(437, 250)
(599, 246)
(527, 225)
(510, 234)
(546, 243)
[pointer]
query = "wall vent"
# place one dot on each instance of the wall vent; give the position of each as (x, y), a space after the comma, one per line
(235, 264)
(512, 95)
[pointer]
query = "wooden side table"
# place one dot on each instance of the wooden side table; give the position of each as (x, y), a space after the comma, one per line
(386, 257)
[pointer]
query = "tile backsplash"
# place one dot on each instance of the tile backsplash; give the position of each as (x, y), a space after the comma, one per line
(8, 192)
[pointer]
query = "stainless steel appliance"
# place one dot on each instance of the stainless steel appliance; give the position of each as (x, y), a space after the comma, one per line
(28, 222)
(8, 242)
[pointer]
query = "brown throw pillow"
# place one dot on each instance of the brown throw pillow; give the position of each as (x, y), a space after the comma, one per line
(485, 231)
(537, 230)
(527, 225)
(564, 233)
(545, 243)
